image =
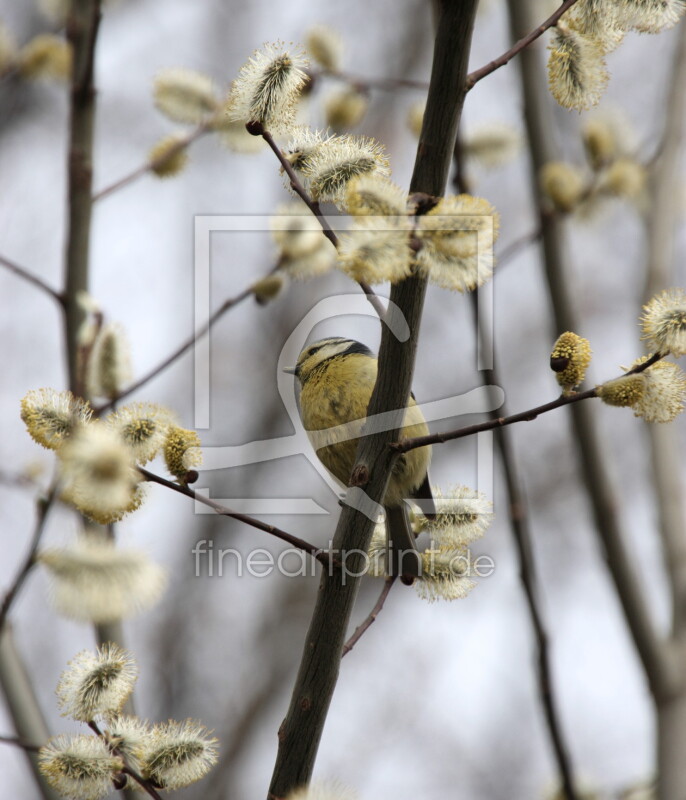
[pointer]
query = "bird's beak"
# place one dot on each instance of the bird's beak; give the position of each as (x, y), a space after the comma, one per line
(289, 370)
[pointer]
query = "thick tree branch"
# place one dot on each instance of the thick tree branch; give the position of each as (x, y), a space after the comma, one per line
(302, 728)
(474, 77)
(316, 552)
(591, 450)
(82, 31)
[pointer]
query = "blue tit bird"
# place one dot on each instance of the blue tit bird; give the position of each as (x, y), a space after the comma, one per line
(337, 377)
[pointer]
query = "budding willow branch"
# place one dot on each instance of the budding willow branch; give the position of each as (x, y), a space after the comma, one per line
(474, 77)
(154, 163)
(257, 129)
(316, 552)
(523, 416)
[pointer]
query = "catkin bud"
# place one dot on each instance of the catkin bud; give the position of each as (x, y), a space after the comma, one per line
(184, 95)
(268, 288)
(169, 156)
(345, 108)
(623, 392)
(181, 451)
(599, 142)
(570, 359)
(562, 184)
(577, 73)
(625, 178)
(109, 367)
(415, 118)
(45, 56)
(325, 46)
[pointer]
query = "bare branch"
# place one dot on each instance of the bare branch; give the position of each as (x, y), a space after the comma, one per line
(364, 626)
(180, 350)
(152, 164)
(17, 741)
(474, 77)
(316, 552)
(27, 276)
(44, 505)
(385, 84)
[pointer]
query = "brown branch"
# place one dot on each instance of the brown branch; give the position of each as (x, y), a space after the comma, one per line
(17, 741)
(364, 626)
(152, 164)
(27, 276)
(592, 452)
(474, 77)
(44, 505)
(499, 422)
(301, 730)
(316, 552)
(180, 350)
(257, 130)
(145, 784)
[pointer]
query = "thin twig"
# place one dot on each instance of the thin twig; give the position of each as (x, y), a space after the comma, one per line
(152, 164)
(44, 505)
(27, 276)
(499, 422)
(515, 247)
(492, 66)
(364, 626)
(180, 350)
(127, 770)
(316, 552)
(314, 207)
(17, 741)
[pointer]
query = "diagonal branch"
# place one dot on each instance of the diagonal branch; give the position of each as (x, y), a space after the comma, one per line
(500, 422)
(367, 623)
(27, 276)
(256, 129)
(301, 731)
(152, 164)
(316, 552)
(474, 77)
(44, 505)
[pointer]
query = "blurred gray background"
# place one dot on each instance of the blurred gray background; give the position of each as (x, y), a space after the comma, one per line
(436, 700)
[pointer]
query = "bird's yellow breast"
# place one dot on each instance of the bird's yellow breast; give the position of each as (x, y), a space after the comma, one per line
(335, 396)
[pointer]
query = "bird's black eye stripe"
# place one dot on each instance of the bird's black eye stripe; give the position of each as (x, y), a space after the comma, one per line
(357, 347)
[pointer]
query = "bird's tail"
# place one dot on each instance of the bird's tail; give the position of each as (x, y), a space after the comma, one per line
(403, 557)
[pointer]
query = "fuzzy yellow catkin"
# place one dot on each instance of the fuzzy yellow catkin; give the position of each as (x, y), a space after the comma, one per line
(184, 95)
(345, 108)
(664, 322)
(169, 156)
(181, 451)
(562, 184)
(599, 142)
(415, 118)
(8, 48)
(325, 46)
(569, 359)
(622, 392)
(577, 73)
(45, 56)
(268, 288)
(624, 178)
